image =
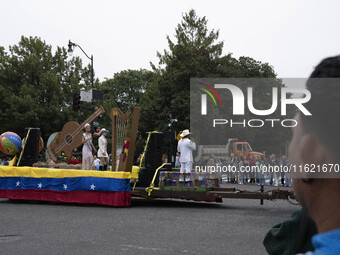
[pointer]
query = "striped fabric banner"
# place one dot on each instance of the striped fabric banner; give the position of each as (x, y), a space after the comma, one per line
(58, 185)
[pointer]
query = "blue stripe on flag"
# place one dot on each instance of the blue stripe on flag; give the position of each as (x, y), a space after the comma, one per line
(65, 184)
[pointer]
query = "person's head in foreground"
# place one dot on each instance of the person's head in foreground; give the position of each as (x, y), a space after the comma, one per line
(316, 140)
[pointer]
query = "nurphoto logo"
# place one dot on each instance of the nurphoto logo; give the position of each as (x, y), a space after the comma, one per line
(230, 99)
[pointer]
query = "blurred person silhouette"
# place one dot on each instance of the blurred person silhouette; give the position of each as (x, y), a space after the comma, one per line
(315, 141)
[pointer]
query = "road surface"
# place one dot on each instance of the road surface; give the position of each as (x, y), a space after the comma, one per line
(147, 227)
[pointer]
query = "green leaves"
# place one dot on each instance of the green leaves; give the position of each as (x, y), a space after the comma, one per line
(126, 88)
(194, 54)
(37, 86)
(37, 83)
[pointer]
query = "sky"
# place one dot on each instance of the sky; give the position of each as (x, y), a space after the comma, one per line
(291, 35)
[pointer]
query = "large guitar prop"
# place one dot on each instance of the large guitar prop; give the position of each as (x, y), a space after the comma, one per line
(70, 137)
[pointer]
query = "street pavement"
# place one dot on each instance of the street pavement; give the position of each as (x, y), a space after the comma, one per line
(235, 226)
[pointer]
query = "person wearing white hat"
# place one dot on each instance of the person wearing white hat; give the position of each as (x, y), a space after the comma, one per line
(185, 147)
(102, 152)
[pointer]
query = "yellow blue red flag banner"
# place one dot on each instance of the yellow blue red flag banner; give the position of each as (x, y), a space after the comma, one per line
(61, 185)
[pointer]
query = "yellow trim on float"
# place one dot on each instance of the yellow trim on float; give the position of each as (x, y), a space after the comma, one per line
(35, 172)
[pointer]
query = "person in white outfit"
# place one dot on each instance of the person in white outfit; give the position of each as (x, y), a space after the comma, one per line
(96, 162)
(102, 152)
(185, 147)
(88, 147)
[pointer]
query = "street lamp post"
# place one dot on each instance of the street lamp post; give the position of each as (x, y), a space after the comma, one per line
(70, 50)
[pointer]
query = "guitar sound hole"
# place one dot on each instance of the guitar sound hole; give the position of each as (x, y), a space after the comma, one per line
(68, 139)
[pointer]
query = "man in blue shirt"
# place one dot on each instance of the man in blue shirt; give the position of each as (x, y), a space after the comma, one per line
(315, 144)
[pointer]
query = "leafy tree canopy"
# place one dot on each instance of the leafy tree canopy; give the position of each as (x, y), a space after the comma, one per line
(37, 86)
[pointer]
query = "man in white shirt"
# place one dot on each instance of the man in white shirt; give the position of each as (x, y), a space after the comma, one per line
(185, 147)
(96, 162)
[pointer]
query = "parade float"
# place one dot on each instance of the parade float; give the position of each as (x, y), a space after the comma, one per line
(25, 179)
(21, 180)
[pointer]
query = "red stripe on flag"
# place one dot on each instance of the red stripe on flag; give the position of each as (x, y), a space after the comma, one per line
(112, 198)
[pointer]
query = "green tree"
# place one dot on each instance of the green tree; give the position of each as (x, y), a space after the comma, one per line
(37, 86)
(196, 52)
(126, 88)
(193, 54)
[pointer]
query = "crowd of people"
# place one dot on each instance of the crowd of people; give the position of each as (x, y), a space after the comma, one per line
(250, 169)
(5, 162)
(234, 169)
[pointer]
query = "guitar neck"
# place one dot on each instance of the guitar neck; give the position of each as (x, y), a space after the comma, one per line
(95, 115)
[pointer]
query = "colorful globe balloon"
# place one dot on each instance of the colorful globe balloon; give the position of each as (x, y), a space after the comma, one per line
(10, 143)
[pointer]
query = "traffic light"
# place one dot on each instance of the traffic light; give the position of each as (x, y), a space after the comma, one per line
(169, 120)
(76, 102)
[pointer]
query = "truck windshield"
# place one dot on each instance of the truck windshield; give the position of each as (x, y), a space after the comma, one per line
(249, 148)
